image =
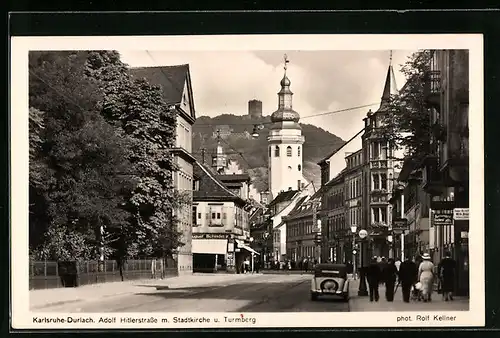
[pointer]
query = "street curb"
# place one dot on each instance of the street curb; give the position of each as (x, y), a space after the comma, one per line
(79, 300)
(62, 302)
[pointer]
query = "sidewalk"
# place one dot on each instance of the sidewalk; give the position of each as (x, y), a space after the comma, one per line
(360, 304)
(53, 297)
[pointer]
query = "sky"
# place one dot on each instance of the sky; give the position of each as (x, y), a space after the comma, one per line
(322, 81)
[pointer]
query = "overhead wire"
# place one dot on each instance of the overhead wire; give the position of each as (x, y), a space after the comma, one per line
(305, 117)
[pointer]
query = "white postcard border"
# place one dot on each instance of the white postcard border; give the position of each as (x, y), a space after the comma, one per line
(20, 46)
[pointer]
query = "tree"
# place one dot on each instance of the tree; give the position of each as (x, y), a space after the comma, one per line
(407, 121)
(139, 109)
(86, 180)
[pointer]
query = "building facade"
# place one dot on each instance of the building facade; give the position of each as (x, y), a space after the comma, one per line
(221, 230)
(285, 142)
(335, 241)
(378, 175)
(175, 82)
(446, 170)
(302, 232)
(354, 196)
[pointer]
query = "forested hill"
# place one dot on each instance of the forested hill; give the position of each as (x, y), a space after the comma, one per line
(318, 144)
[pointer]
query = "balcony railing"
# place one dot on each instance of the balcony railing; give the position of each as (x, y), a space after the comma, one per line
(431, 176)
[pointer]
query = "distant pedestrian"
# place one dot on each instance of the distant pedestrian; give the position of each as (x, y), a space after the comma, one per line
(382, 264)
(373, 278)
(447, 271)
(389, 277)
(426, 276)
(407, 278)
(397, 263)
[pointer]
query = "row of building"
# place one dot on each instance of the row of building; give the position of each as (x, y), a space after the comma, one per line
(215, 222)
(405, 208)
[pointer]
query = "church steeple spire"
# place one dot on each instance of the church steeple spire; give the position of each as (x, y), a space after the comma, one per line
(390, 87)
(285, 94)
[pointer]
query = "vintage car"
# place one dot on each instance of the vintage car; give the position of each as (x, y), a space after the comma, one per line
(330, 279)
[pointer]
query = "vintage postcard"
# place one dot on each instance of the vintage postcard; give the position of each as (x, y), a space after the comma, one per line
(247, 181)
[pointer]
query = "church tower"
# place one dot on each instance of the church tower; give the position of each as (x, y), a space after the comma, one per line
(285, 142)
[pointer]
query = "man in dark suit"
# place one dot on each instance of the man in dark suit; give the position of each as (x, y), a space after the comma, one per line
(373, 277)
(407, 277)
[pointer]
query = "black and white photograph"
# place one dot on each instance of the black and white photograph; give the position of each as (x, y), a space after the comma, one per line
(162, 184)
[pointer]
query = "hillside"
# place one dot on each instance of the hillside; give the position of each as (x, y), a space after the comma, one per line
(318, 144)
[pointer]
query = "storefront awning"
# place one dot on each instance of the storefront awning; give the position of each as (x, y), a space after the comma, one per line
(242, 245)
(209, 246)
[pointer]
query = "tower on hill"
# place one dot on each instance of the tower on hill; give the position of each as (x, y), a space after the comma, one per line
(255, 109)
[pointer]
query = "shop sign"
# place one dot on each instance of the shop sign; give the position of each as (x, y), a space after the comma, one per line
(442, 219)
(211, 236)
(461, 214)
(399, 225)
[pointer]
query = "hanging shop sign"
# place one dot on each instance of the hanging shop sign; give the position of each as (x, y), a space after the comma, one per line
(461, 214)
(442, 219)
(399, 225)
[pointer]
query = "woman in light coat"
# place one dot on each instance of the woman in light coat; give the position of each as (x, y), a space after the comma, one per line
(426, 276)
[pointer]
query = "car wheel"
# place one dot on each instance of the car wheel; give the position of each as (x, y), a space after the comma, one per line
(314, 296)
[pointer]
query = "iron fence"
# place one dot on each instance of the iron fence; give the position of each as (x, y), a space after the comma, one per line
(52, 274)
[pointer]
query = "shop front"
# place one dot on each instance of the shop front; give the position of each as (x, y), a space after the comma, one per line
(210, 252)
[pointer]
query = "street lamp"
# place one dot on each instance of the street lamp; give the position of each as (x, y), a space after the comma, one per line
(318, 248)
(362, 291)
(251, 241)
(354, 228)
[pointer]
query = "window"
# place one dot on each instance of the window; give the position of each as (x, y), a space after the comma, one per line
(383, 181)
(270, 150)
(277, 151)
(299, 167)
(289, 151)
(376, 215)
(376, 182)
(298, 151)
(375, 149)
(195, 212)
(215, 213)
(383, 214)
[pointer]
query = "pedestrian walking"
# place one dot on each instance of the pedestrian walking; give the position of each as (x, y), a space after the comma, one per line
(382, 264)
(446, 273)
(389, 277)
(407, 276)
(373, 278)
(397, 263)
(426, 277)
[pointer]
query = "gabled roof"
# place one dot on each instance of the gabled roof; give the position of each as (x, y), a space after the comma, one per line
(283, 196)
(172, 80)
(337, 179)
(303, 208)
(211, 188)
(234, 177)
